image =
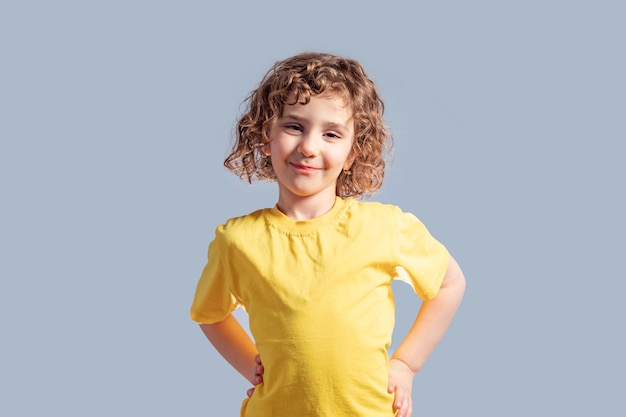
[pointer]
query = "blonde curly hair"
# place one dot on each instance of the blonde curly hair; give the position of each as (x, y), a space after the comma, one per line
(296, 80)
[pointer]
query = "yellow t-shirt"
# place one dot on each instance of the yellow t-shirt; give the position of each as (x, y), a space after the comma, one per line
(318, 295)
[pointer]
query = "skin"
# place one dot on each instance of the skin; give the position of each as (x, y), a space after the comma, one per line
(310, 145)
(427, 330)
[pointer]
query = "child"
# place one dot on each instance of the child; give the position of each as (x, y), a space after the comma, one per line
(314, 272)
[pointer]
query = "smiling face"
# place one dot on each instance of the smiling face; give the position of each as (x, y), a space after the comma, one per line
(310, 146)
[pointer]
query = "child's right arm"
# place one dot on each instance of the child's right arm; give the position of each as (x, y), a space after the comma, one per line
(234, 344)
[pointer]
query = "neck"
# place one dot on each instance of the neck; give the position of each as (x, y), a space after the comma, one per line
(306, 208)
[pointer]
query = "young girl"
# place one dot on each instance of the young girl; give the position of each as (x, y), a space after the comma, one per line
(314, 272)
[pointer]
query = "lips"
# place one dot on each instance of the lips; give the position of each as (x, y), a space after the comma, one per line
(302, 167)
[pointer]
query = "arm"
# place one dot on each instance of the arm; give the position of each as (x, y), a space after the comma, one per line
(428, 329)
(234, 344)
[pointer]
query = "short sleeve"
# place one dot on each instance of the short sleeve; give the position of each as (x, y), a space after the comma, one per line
(213, 300)
(422, 260)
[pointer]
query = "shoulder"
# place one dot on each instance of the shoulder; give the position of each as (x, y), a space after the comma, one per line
(235, 227)
(383, 216)
(373, 208)
(242, 221)
(372, 217)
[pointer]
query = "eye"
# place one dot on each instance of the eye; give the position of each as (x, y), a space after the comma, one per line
(333, 135)
(293, 126)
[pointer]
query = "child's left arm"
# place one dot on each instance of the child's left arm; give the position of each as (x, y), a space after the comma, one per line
(428, 329)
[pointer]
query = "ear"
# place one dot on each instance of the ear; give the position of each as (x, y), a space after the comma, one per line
(266, 149)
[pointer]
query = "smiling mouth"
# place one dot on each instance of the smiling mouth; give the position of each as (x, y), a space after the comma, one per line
(304, 167)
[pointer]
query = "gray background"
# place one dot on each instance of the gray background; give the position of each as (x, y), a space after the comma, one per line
(114, 120)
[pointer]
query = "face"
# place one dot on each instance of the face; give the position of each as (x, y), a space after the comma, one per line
(310, 146)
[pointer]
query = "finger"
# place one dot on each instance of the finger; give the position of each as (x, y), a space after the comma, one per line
(399, 402)
(404, 406)
(250, 392)
(407, 408)
(257, 359)
(399, 398)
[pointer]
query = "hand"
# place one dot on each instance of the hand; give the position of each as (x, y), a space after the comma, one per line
(258, 372)
(401, 384)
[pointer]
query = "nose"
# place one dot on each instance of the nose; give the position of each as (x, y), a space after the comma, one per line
(309, 145)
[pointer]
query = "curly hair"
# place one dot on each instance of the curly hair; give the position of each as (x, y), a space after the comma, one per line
(296, 80)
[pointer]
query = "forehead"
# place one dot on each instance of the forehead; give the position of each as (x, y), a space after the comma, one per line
(330, 105)
(338, 99)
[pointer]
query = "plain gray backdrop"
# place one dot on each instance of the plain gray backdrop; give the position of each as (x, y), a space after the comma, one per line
(509, 124)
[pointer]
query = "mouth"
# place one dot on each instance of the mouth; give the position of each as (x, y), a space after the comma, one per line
(305, 168)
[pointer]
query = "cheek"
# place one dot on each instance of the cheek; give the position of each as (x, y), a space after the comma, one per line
(278, 152)
(345, 158)
(275, 149)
